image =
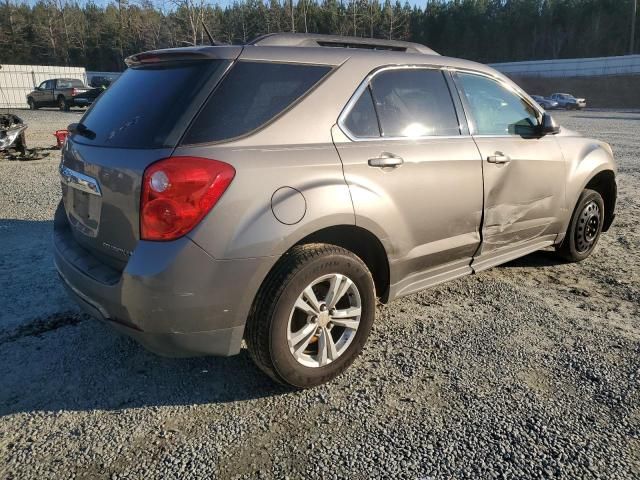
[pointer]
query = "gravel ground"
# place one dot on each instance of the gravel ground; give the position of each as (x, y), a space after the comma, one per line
(529, 370)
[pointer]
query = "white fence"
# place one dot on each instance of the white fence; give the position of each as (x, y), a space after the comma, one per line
(574, 67)
(16, 81)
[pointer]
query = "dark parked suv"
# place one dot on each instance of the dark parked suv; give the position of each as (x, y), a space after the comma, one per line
(272, 192)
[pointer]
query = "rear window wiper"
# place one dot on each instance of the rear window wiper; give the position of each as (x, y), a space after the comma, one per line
(81, 129)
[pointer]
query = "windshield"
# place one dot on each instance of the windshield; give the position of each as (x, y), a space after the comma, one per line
(151, 106)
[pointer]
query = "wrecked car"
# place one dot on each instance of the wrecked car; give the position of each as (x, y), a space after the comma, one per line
(12, 133)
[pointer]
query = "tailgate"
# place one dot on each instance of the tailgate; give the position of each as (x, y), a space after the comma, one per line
(137, 121)
(101, 196)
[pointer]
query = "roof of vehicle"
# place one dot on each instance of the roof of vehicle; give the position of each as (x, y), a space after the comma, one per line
(320, 40)
(320, 50)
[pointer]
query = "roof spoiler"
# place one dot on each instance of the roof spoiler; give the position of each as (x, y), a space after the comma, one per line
(319, 40)
(228, 52)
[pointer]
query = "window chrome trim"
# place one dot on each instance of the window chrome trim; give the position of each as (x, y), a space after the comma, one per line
(363, 86)
(79, 181)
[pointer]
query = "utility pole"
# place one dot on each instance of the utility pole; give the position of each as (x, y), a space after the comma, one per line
(634, 6)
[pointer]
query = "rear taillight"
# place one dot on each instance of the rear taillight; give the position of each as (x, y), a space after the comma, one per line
(178, 192)
(74, 92)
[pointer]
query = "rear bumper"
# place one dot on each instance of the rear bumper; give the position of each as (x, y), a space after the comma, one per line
(81, 101)
(172, 297)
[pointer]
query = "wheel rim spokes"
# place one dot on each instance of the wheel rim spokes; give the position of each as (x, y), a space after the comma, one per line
(588, 226)
(339, 284)
(324, 320)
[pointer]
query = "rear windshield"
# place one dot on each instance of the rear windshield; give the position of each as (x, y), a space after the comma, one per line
(252, 94)
(150, 106)
(70, 83)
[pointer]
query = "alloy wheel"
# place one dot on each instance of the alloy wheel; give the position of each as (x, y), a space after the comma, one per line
(324, 320)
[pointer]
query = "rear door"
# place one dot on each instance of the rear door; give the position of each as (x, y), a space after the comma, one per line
(524, 173)
(136, 122)
(414, 173)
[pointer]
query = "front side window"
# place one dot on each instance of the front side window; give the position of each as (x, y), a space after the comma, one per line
(251, 95)
(495, 109)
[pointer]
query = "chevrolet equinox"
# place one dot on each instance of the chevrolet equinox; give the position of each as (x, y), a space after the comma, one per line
(273, 192)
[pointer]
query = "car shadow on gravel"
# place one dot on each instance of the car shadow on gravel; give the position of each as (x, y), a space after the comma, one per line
(80, 364)
(55, 358)
(536, 260)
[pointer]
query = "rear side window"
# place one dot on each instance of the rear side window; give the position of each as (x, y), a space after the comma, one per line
(151, 106)
(414, 103)
(362, 121)
(404, 103)
(252, 94)
(70, 83)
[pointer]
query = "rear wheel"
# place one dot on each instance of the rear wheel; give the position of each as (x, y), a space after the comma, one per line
(312, 316)
(62, 104)
(585, 227)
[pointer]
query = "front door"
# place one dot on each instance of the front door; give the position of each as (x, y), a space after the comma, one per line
(415, 179)
(524, 173)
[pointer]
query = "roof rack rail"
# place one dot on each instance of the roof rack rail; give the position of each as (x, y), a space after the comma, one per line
(319, 40)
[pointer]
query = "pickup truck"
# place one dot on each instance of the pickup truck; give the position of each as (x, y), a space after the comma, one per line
(61, 92)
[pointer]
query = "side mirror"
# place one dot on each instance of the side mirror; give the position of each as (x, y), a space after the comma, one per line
(548, 126)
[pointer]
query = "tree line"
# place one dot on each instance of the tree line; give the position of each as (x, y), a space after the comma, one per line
(98, 37)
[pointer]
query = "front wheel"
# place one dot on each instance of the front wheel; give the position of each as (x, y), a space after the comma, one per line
(32, 104)
(585, 227)
(312, 316)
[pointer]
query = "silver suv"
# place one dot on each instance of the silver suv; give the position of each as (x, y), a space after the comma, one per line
(272, 192)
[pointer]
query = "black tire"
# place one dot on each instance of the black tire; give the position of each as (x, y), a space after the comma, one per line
(268, 322)
(32, 104)
(63, 105)
(585, 227)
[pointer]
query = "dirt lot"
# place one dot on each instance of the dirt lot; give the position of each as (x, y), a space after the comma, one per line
(530, 370)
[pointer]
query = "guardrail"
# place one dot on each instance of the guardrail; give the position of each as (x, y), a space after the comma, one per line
(573, 67)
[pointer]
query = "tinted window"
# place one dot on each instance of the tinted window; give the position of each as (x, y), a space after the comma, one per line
(497, 110)
(250, 95)
(362, 121)
(70, 83)
(414, 103)
(150, 106)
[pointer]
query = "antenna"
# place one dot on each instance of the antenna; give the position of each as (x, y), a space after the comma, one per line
(204, 26)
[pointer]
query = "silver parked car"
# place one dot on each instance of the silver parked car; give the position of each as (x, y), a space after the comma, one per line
(545, 103)
(568, 101)
(272, 192)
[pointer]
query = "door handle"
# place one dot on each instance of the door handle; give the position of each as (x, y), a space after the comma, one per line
(386, 160)
(499, 158)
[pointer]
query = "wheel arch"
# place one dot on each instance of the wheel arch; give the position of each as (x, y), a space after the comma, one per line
(362, 243)
(604, 183)
(591, 166)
